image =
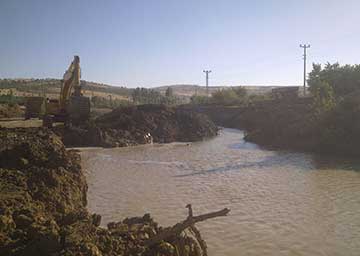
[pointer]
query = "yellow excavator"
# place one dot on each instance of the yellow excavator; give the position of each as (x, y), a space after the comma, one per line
(72, 107)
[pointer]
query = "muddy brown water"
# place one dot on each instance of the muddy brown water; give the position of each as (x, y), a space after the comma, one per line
(281, 203)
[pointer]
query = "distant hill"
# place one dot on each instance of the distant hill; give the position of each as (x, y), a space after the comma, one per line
(51, 87)
(187, 90)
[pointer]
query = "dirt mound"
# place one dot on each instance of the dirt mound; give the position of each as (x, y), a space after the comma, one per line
(164, 123)
(10, 110)
(41, 184)
(142, 124)
(43, 206)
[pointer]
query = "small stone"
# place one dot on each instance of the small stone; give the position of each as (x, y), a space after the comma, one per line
(166, 248)
(23, 221)
(147, 217)
(91, 250)
(143, 236)
(6, 223)
(150, 231)
(24, 161)
(96, 219)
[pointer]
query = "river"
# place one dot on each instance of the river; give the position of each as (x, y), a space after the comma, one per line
(282, 203)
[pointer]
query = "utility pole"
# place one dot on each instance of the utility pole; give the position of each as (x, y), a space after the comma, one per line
(305, 46)
(110, 98)
(207, 81)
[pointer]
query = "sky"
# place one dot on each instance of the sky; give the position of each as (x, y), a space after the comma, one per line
(160, 42)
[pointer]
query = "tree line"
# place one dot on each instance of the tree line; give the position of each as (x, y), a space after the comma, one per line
(229, 96)
(336, 103)
(150, 96)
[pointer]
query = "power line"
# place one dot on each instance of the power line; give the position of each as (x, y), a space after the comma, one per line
(305, 46)
(207, 81)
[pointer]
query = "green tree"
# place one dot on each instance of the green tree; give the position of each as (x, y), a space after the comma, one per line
(240, 92)
(324, 100)
(342, 79)
(230, 96)
(149, 96)
(225, 96)
(197, 99)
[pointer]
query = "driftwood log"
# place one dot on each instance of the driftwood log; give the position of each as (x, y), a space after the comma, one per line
(188, 223)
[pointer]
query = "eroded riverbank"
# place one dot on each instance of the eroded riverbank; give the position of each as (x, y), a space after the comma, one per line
(282, 203)
(296, 123)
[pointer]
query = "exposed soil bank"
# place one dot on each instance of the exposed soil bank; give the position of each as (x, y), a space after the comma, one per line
(142, 124)
(43, 205)
(292, 125)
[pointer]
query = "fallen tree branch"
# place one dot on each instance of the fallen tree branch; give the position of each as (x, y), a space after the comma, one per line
(200, 240)
(179, 227)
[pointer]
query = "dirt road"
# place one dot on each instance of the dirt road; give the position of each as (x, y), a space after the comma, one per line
(20, 122)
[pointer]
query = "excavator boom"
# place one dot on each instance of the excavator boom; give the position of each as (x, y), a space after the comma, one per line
(72, 106)
(71, 80)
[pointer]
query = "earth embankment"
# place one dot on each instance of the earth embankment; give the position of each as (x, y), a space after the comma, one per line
(142, 124)
(282, 124)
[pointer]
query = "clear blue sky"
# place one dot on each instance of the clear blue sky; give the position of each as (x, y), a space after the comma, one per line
(159, 42)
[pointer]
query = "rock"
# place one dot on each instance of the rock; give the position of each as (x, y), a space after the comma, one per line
(24, 161)
(45, 240)
(22, 221)
(96, 219)
(119, 229)
(6, 223)
(147, 217)
(150, 231)
(166, 249)
(143, 236)
(91, 250)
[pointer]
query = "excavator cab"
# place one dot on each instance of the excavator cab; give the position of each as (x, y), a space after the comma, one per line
(78, 109)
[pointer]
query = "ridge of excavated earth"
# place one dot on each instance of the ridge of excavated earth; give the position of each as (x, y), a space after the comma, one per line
(130, 125)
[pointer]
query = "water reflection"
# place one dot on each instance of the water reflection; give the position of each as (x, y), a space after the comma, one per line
(335, 162)
(269, 161)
